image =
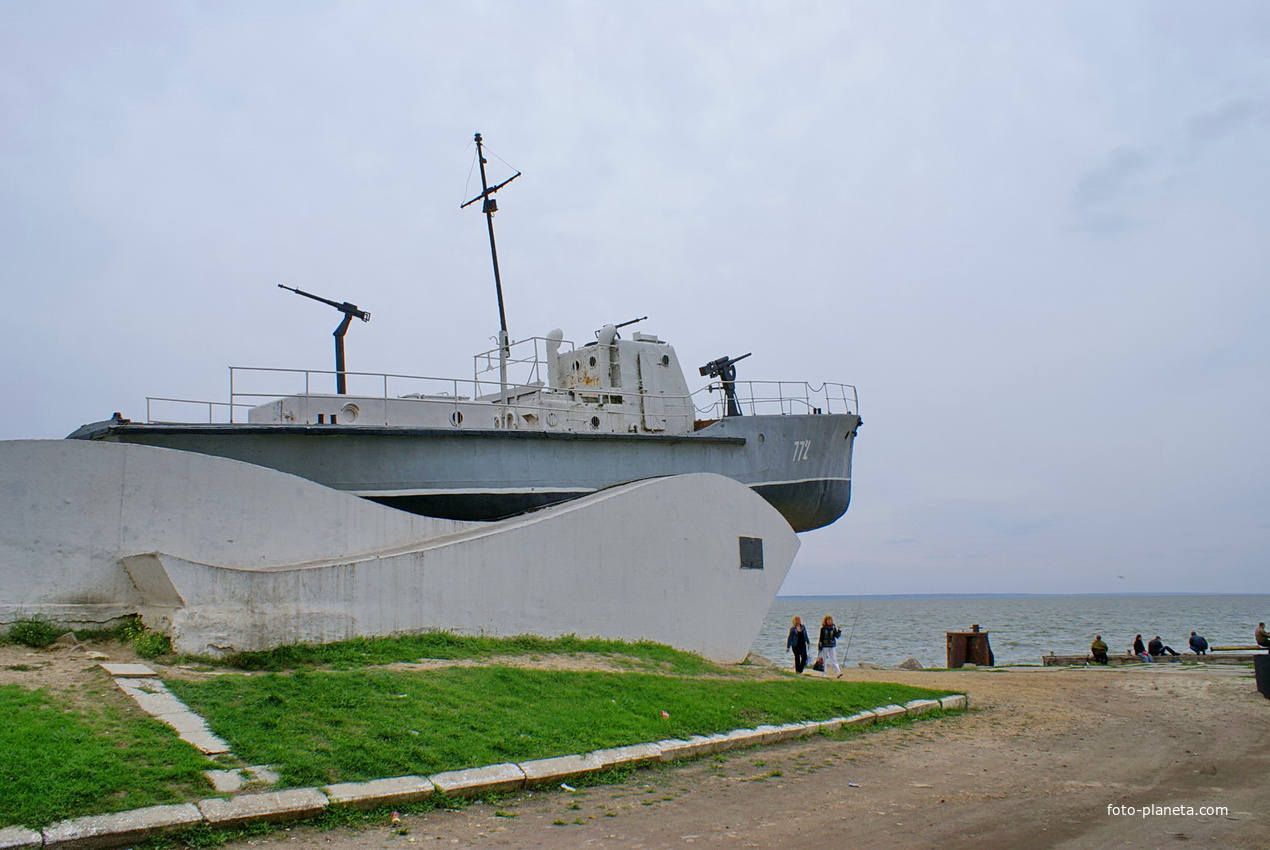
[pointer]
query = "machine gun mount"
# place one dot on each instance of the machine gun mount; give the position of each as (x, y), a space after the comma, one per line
(725, 370)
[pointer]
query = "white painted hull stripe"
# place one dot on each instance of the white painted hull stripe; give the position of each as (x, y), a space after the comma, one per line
(481, 491)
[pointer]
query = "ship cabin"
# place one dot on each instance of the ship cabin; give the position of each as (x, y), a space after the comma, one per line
(609, 386)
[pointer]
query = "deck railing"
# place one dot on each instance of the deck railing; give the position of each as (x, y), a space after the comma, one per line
(250, 386)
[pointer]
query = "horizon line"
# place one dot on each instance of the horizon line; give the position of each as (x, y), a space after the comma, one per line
(1009, 595)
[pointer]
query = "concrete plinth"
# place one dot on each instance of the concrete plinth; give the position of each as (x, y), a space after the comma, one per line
(227, 557)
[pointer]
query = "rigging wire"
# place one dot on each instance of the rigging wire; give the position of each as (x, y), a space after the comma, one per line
(472, 168)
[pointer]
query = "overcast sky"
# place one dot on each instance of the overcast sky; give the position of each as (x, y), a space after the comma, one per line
(1034, 235)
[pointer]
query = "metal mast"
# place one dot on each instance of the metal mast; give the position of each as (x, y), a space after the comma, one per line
(489, 207)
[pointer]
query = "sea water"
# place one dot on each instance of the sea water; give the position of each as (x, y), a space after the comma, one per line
(889, 629)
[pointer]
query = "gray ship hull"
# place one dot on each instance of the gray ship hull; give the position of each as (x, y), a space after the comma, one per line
(801, 464)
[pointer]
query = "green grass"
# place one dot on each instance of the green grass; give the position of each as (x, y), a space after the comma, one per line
(360, 652)
(331, 726)
(61, 760)
(66, 755)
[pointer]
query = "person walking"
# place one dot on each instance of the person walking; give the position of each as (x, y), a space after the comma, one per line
(1099, 650)
(798, 642)
(828, 645)
(1199, 646)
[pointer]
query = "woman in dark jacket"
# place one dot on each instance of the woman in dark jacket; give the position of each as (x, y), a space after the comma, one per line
(829, 634)
(798, 642)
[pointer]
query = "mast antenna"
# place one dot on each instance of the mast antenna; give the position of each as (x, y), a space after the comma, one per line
(489, 207)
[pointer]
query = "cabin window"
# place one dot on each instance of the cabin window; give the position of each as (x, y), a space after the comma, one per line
(456, 418)
(751, 553)
(595, 422)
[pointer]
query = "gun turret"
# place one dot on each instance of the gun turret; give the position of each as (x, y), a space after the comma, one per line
(724, 369)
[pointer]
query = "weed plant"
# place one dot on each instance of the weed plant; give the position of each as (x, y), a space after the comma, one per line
(341, 726)
(35, 632)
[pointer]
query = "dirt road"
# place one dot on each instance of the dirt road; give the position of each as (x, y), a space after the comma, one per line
(1041, 762)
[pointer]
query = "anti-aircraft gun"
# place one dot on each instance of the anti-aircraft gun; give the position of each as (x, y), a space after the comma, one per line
(725, 370)
(350, 312)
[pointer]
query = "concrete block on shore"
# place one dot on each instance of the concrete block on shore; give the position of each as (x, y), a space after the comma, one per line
(863, 718)
(380, 792)
(19, 838)
(635, 754)
(921, 706)
(271, 806)
(953, 702)
(476, 780)
(121, 828)
(555, 770)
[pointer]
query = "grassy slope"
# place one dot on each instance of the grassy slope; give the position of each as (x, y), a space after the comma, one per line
(62, 757)
(330, 726)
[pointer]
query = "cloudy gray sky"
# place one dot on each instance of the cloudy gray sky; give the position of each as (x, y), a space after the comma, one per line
(1034, 235)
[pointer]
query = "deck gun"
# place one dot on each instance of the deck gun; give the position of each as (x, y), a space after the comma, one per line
(725, 370)
(350, 312)
(622, 324)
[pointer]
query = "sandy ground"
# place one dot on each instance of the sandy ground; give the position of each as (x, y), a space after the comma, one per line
(1038, 763)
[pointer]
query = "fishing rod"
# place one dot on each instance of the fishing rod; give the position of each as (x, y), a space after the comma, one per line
(846, 653)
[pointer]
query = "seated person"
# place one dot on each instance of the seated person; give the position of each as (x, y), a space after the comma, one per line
(1140, 650)
(1099, 649)
(1157, 648)
(1263, 638)
(1199, 646)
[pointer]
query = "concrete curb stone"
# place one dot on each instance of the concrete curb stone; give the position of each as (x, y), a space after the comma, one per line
(380, 792)
(673, 749)
(274, 806)
(739, 739)
(888, 711)
(477, 780)
(119, 828)
(921, 706)
(862, 718)
(833, 724)
(635, 754)
(553, 770)
(19, 838)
